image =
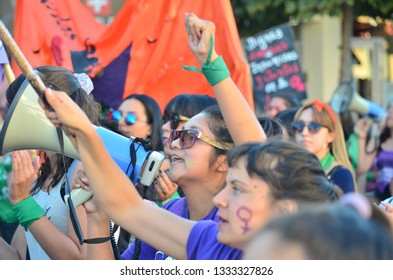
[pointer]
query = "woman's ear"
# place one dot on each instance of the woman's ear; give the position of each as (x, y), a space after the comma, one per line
(330, 137)
(286, 206)
(222, 163)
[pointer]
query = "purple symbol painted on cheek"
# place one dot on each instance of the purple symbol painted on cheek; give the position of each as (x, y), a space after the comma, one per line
(245, 216)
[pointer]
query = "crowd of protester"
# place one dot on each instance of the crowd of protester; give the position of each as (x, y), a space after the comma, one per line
(231, 186)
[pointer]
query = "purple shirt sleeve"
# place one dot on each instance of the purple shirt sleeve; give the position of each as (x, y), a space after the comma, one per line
(202, 244)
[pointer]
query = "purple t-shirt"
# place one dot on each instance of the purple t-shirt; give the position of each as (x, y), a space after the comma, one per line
(202, 244)
(177, 206)
(384, 163)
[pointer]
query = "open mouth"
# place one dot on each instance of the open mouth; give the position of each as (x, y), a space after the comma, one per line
(176, 159)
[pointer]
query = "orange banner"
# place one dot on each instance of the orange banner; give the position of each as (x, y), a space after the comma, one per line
(46, 31)
(141, 51)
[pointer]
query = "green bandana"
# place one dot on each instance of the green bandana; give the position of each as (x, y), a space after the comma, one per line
(327, 161)
(27, 211)
(214, 71)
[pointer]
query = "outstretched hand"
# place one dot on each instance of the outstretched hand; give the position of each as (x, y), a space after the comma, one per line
(24, 173)
(199, 34)
(65, 114)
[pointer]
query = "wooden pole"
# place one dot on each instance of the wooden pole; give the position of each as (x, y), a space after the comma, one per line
(9, 74)
(21, 60)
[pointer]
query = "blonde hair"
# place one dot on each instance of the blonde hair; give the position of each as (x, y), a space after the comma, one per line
(338, 146)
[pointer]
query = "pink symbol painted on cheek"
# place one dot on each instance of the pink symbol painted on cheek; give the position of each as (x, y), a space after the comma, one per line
(245, 216)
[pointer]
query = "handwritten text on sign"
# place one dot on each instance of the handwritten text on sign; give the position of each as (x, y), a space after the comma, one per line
(274, 63)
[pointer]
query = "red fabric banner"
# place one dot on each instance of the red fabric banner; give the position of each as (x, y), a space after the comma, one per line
(46, 31)
(141, 51)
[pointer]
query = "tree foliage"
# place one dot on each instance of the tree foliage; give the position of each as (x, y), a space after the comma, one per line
(253, 16)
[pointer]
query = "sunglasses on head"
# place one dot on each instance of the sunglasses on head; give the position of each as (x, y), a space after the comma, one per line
(129, 120)
(188, 137)
(313, 127)
(174, 120)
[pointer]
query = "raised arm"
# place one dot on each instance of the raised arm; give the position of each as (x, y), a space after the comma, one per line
(112, 189)
(365, 159)
(239, 117)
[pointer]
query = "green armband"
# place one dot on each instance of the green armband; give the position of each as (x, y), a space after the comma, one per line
(215, 71)
(27, 211)
(7, 215)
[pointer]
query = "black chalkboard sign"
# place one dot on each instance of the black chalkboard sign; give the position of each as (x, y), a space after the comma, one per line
(274, 64)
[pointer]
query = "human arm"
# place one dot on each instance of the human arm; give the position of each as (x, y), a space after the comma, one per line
(112, 189)
(97, 223)
(17, 249)
(239, 117)
(365, 159)
(53, 241)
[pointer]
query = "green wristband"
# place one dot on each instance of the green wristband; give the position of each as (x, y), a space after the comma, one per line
(27, 211)
(7, 215)
(215, 71)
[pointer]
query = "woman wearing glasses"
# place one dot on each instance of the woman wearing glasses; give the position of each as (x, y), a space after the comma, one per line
(319, 129)
(140, 116)
(177, 112)
(259, 179)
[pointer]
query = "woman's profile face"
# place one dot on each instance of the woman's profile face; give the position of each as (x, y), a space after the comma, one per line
(141, 128)
(192, 164)
(245, 205)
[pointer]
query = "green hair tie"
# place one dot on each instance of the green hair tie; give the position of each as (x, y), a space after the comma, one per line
(27, 211)
(215, 71)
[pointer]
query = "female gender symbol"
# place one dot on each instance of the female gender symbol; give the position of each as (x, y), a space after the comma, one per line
(245, 215)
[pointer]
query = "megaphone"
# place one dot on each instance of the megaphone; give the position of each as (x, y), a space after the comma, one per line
(345, 98)
(26, 127)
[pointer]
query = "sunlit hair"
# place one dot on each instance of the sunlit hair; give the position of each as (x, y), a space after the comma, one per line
(338, 147)
(289, 169)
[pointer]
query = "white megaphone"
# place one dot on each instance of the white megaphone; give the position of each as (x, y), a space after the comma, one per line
(345, 98)
(26, 127)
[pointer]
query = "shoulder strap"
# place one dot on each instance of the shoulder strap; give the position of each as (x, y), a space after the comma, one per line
(333, 170)
(71, 169)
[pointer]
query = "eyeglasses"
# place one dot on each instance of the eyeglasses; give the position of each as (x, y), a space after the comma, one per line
(313, 127)
(187, 138)
(129, 120)
(174, 120)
